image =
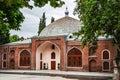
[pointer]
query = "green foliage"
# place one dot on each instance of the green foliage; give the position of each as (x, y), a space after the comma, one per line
(11, 17)
(14, 38)
(4, 33)
(98, 17)
(53, 3)
(42, 23)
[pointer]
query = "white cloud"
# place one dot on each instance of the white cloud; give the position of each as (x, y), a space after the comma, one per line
(30, 25)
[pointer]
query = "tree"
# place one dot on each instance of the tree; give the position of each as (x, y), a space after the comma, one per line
(11, 17)
(14, 38)
(42, 23)
(4, 34)
(99, 17)
(52, 19)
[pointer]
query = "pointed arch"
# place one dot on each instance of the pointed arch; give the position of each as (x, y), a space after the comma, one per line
(92, 65)
(25, 58)
(106, 54)
(74, 58)
(50, 52)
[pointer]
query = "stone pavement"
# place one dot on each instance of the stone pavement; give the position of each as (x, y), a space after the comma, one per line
(70, 74)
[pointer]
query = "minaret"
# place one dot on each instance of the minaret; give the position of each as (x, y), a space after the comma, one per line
(66, 12)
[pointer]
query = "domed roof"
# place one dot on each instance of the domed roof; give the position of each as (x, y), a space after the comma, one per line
(63, 26)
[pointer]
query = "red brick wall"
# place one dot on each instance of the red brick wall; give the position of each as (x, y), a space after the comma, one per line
(17, 49)
(102, 45)
(1, 57)
(64, 46)
(105, 45)
(84, 51)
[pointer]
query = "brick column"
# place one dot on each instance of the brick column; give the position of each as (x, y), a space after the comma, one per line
(17, 58)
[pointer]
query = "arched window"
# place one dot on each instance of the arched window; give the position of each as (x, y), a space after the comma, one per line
(53, 46)
(105, 55)
(106, 65)
(4, 56)
(12, 52)
(25, 58)
(40, 56)
(52, 55)
(74, 58)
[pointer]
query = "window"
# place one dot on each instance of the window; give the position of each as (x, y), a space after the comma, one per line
(53, 46)
(106, 65)
(52, 55)
(74, 58)
(105, 55)
(4, 56)
(70, 36)
(40, 56)
(106, 61)
(12, 52)
(24, 58)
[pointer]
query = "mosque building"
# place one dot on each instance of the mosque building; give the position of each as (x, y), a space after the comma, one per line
(58, 49)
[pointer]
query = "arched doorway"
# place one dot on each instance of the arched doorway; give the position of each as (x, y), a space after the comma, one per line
(74, 58)
(92, 66)
(47, 56)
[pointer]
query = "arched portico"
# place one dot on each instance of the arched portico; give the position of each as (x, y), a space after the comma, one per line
(48, 56)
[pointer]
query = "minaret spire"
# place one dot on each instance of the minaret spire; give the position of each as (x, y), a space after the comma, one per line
(66, 12)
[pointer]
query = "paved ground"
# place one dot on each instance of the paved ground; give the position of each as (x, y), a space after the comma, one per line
(30, 77)
(53, 75)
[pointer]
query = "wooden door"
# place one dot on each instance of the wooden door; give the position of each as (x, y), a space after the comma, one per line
(92, 66)
(12, 64)
(53, 65)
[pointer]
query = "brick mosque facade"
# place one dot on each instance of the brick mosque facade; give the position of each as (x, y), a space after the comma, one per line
(57, 53)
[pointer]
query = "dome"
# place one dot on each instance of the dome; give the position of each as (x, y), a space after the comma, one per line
(63, 26)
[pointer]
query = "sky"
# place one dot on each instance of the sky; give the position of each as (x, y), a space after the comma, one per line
(32, 17)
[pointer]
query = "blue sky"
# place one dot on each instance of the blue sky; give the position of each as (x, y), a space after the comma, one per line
(30, 25)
